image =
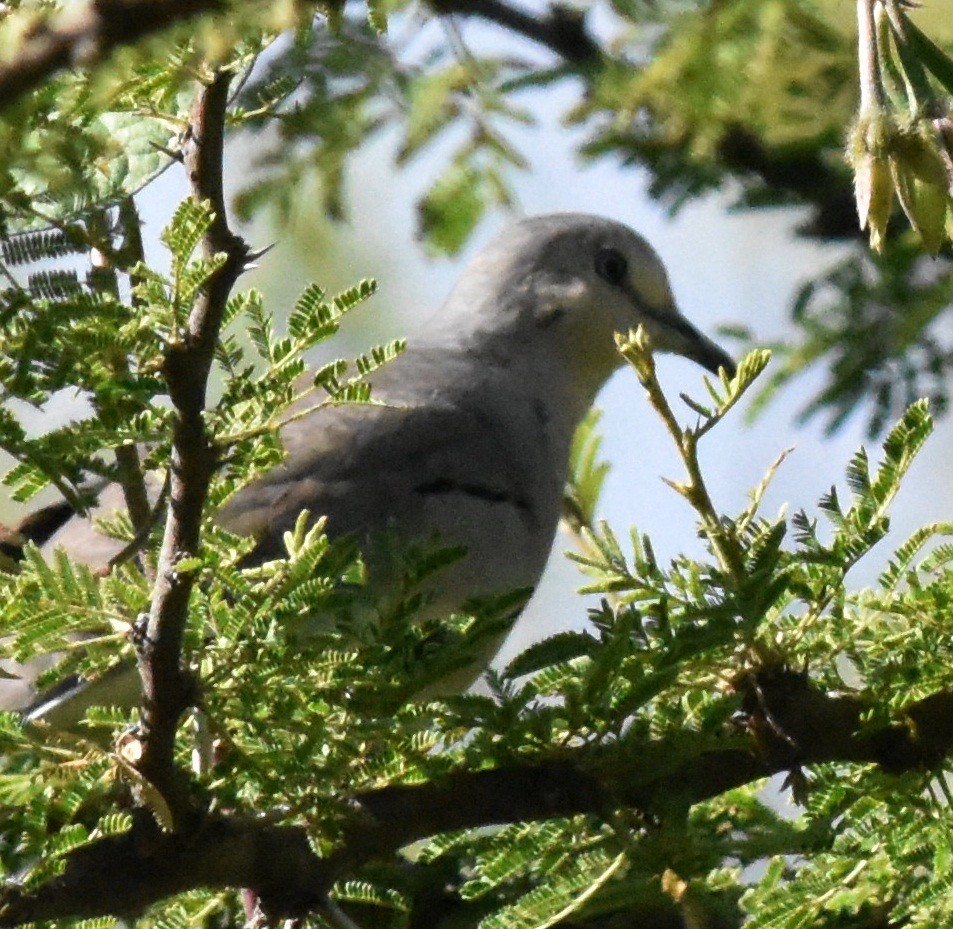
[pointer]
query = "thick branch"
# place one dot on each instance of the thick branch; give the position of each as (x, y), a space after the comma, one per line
(80, 39)
(167, 689)
(562, 29)
(789, 722)
(121, 875)
(800, 171)
(89, 36)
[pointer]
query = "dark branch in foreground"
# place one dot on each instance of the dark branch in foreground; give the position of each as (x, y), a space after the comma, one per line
(80, 40)
(789, 723)
(167, 688)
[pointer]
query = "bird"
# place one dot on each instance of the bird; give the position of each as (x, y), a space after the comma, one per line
(470, 444)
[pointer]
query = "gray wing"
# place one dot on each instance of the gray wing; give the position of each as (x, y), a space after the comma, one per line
(432, 470)
(454, 450)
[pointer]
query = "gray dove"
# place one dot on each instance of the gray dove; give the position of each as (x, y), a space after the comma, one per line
(471, 444)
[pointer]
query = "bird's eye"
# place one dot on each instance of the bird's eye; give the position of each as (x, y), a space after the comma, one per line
(611, 266)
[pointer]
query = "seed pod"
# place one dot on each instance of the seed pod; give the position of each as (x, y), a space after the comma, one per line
(873, 191)
(925, 204)
(869, 143)
(921, 151)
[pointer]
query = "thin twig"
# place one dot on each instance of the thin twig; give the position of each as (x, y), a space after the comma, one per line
(871, 90)
(133, 483)
(105, 273)
(143, 531)
(131, 252)
(637, 350)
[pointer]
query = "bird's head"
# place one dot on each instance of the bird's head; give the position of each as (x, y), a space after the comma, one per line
(575, 280)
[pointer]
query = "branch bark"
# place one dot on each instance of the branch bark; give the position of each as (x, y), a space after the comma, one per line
(167, 689)
(801, 172)
(788, 720)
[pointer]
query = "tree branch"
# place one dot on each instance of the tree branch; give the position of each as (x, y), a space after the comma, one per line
(81, 39)
(84, 38)
(167, 689)
(562, 29)
(801, 172)
(788, 722)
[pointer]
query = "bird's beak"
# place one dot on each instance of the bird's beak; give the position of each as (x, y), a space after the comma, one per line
(684, 339)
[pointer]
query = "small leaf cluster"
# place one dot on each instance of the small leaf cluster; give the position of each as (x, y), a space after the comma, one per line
(65, 330)
(892, 862)
(88, 137)
(748, 74)
(342, 89)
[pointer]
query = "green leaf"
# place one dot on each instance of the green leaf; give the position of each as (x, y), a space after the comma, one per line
(185, 230)
(454, 205)
(902, 559)
(362, 892)
(556, 649)
(587, 473)
(377, 16)
(379, 356)
(937, 62)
